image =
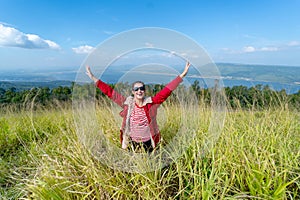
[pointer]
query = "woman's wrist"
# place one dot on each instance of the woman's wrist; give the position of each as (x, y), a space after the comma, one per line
(94, 79)
(182, 75)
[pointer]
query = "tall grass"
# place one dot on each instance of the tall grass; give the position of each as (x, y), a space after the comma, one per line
(256, 157)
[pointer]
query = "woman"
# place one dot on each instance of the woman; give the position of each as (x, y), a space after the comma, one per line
(139, 126)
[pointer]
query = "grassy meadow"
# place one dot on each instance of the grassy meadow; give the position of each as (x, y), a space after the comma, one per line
(257, 156)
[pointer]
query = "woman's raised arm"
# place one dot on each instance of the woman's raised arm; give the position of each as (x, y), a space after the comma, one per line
(106, 89)
(162, 95)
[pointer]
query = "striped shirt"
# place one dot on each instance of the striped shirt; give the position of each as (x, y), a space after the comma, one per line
(139, 126)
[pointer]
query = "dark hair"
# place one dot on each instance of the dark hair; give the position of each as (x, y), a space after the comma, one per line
(132, 86)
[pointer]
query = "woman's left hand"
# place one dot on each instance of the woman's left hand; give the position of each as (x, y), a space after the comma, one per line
(186, 69)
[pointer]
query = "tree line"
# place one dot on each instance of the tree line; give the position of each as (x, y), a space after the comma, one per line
(258, 96)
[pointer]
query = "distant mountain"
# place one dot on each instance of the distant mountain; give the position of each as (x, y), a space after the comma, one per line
(280, 77)
(26, 85)
(266, 73)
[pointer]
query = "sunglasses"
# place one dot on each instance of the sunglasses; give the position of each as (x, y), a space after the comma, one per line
(142, 88)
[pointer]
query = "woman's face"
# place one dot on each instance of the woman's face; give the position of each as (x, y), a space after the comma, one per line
(138, 91)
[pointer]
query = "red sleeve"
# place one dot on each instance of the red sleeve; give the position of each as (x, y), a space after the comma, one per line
(162, 95)
(110, 92)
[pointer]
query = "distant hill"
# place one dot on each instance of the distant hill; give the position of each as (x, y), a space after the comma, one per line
(279, 77)
(22, 85)
(267, 73)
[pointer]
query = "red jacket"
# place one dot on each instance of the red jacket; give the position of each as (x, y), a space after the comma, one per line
(150, 105)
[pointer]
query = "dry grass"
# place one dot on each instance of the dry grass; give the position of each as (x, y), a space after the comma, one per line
(256, 157)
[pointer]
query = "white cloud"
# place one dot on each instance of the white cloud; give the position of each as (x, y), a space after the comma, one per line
(11, 37)
(249, 49)
(229, 50)
(252, 49)
(250, 36)
(148, 44)
(168, 54)
(269, 49)
(108, 32)
(293, 43)
(83, 49)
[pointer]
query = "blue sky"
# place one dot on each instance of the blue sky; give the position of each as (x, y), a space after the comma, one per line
(58, 33)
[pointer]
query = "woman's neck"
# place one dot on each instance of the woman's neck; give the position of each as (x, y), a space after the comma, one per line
(139, 102)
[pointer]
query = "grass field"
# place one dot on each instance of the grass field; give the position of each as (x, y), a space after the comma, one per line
(257, 156)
